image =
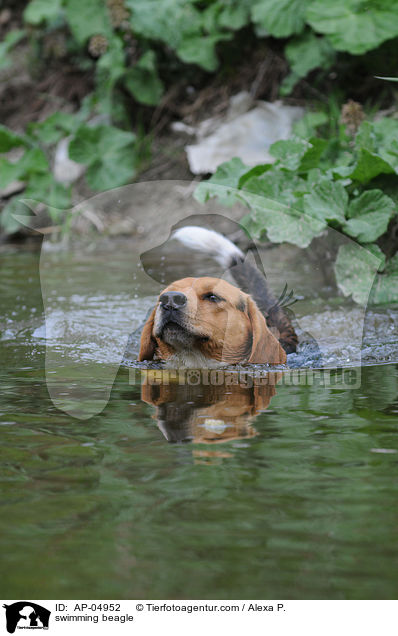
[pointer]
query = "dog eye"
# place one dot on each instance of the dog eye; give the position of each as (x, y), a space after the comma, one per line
(212, 297)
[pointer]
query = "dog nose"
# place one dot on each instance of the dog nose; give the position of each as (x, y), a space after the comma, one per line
(173, 300)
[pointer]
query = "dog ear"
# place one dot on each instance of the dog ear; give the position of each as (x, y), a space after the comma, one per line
(265, 347)
(148, 342)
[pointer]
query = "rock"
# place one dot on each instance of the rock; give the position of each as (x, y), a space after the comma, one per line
(245, 132)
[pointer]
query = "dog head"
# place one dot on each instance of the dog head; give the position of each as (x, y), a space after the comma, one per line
(199, 320)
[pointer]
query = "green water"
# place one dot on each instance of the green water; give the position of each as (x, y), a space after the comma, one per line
(300, 503)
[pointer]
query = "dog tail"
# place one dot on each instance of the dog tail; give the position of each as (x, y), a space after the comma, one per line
(249, 278)
(209, 242)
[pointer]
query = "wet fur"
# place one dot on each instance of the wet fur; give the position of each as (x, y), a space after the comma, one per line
(205, 333)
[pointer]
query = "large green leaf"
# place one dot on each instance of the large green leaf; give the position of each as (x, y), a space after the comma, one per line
(280, 19)
(8, 222)
(377, 251)
(143, 81)
(229, 14)
(235, 14)
(282, 223)
(168, 21)
(87, 18)
(52, 129)
(32, 162)
(109, 153)
(9, 139)
(110, 69)
(9, 172)
(355, 269)
(290, 152)
(385, 289)
(275, 184)
(369, 216)
(223, 184)
(197, 49)
(368, 166)
(41, 189)
(38, 11)
(304, 54)
(328, 201)
(298, 154)
(355, 26)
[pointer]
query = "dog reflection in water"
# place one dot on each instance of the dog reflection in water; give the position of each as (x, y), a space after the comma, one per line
(206, 413)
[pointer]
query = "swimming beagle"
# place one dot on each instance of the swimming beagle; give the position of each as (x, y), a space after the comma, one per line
(207, 322)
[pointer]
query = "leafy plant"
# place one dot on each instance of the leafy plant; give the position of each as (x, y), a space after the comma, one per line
(11, 39)
(109, 154)
(134, 48)
(319, 183)
(32, 168)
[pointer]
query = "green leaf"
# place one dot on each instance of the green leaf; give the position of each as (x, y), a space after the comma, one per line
(280, 19)
(312, 156)
(168, 21)
(256, 171)
(143, 81)
(275, 184)
(327, 201)
(39, 11)
(298, 154)
(365, 137)
(11, 39)
(42, 189)
(235, 15)
(109, 153)
(115, 170)
(9, 139)
(223, 184)
(232, 14)
(9, 172)
(7, 220)
(54, 128)
(390, 154)
(385, 289)
(353, 25)
(289, 152)
(368, 166)
(179, 24)
(87, 18)
(378, 252)
(384, 130)
(195, 49)
(304, 54)
(355, 269)
(369, 216)
(32, 162)
(282, 223)
(109, 69)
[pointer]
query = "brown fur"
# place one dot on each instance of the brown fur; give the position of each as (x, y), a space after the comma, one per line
(219, 331)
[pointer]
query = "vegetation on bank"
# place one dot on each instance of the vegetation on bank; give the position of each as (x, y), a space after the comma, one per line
(338, 170)
(345, 179)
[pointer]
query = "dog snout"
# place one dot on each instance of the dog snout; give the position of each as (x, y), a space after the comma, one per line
(173, 300)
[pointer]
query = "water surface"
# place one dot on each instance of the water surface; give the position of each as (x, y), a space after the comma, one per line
(279, 490)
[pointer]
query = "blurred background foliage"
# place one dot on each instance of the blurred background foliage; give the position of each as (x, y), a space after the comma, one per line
(109, 76)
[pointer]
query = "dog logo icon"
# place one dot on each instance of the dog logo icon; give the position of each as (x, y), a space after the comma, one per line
(26, 615)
